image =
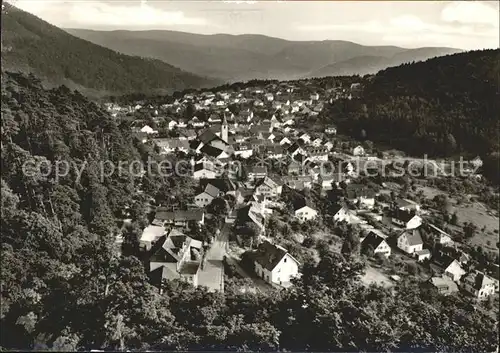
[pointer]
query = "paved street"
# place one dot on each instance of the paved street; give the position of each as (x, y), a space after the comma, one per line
(212, 274)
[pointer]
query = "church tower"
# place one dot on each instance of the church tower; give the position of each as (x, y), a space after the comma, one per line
(224, 130)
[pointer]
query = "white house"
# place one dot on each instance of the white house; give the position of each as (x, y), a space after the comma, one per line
(358, 151)
(407, 205)
(303, 211)
(407, 220)
(377, 244)
(410, 241)
(205, 171)
(268, 187)
(205, 198)
(331, 130)
(150, 235)
(148, 130)
(275, 265)
(454, 270)
(479, 285)
(440, 236)
(305, 137)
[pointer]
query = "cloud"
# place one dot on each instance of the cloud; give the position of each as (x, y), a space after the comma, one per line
(470, 12)
(127, 14)
(411, 30)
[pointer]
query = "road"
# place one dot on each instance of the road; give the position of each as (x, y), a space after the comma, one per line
(212, 273)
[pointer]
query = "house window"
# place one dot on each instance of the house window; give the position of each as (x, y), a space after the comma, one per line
(284, 260)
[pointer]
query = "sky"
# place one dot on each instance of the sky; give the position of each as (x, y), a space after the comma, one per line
(458, 24)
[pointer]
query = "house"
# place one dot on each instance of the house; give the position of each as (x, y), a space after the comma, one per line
(305, 137)
(170, 145)
(275, 265)
(148, 130)
(150, 235)
(422, 255)
(253, 213)
(303, 210)
(453, 270)
(331, 130)
(317, 153)
(178, 218)
(317, 142)
(215, 152)
(214, 118)
(269, 97)
(243, 150)
(479, 285)
(407, 205)
(314, 96)
(177, 257)
(358, 151)
(340, 213)
(377, 243)
(257, 173)
(410, 241)
(404, 219)
(196, 123)
(205, 198)
(205, 170)
(268, 188)
(439, 236)
(363, 196)
(443, 285)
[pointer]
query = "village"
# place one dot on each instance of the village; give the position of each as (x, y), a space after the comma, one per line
(275, 188)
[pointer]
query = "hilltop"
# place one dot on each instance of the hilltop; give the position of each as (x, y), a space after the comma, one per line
(250, 56)
(30, 44)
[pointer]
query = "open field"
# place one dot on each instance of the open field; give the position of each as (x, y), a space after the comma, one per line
(477, 213)
(373, 275)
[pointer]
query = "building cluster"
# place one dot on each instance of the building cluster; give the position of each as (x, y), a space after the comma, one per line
(248, 146)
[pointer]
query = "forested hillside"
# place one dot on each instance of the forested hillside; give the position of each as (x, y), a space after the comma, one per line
(32, 45)
(249, 56)
(444, 106)
(65, 288)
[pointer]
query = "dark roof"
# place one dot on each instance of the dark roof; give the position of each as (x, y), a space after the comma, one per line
(269, 255)
(354, 191)
(300, 202)
(224, 185)
(211, 151)
(189, 268)
(372, 240)
(207, 136)
(404, 216)
(189, 215)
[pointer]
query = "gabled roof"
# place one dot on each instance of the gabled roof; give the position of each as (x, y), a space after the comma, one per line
(212, 190)
(269, 255)
(403, 216)
(208, 136)
(300, 202)
(372, 240)
(479, 280)
(152, 232)
(413, 237)
(267, 181)
(444, 283)
(223, 184)
(211, 151)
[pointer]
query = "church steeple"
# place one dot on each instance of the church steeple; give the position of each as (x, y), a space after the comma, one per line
(224, 130)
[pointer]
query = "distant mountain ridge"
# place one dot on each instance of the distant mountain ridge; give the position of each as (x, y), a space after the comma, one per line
(250, 56)
(363, 65)
(30, 44)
